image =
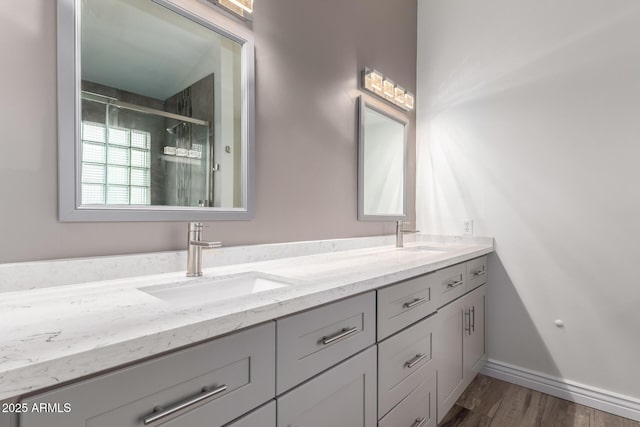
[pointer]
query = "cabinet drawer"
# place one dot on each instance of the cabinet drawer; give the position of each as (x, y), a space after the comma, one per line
(449, 283)
(312, 341)
(238, 366)
(403, 304)
(404, 361)
(344, 396)
(418, 409)
(476, 273)
(262, 417)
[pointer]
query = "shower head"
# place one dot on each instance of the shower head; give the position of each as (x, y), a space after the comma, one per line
(172, 129)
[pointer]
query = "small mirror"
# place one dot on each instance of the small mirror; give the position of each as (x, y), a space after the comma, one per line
(156, 114)
(382, 165)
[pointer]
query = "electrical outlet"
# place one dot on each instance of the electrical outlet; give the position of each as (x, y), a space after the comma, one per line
(467, 227)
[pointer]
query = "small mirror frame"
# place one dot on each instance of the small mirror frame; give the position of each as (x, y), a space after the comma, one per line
(69, 107)
(362, 104)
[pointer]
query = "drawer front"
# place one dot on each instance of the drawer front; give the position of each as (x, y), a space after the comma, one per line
(215, 383)
(450, 283)
(262, 417)
(476, 273)
(343, 396)
(404, 361)
(310, 342)
(418, 409)
(403, 304)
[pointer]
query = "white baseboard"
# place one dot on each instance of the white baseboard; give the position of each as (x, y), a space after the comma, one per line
(604, 400)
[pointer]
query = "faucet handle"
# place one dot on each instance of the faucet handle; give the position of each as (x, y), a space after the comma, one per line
(196, 226)
(206, 245)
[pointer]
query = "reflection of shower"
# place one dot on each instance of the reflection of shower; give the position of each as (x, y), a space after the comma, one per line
(172, 129)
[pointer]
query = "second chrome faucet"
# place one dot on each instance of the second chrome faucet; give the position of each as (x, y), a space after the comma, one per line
(195, 247)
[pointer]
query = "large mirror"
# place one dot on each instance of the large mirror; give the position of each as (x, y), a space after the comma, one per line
(156, 113)
(382, 165)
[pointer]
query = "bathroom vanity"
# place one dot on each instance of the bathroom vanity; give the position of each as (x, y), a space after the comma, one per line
(366, 340)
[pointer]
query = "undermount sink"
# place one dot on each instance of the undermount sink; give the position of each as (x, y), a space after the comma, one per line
(204, 289)
(426, 249)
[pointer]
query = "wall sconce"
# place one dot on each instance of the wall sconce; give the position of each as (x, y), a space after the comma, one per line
(375, 82)
(241, 8)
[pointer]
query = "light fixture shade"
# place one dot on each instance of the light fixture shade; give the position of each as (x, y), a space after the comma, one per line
(246, 5)
(373, 81)
(388, 88)
(399, 96)
(242, 8)
(409, 101)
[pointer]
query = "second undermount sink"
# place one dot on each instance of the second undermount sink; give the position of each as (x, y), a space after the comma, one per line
(213, 289)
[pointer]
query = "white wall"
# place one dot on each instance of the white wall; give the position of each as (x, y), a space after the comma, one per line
(529, 123)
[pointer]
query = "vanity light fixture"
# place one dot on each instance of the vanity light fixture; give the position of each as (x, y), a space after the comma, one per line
(182, 152)
(375, 82)
(241, 8)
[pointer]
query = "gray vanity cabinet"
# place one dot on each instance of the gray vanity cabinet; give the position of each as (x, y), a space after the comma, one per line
(450, 283)
(212, 384)
(344, 396)
(418, 409)
(474, 351)
(405, 303)
(459, 346)
(447, 342)
(261, 417)
(314, 340)
(404, 362)
(476, 272)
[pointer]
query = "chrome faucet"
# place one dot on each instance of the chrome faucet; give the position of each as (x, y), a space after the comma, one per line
(195, 247)
(400, 232)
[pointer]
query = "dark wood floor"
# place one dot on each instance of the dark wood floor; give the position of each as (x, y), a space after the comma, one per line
(489, 402)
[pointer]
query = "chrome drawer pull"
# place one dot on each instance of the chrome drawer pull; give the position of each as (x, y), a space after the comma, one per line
(413, 362)
(454, 284)
(342, 334)
(467, 320)
(479, 273)
(413, 303)
(473, 318)
(159, 413)
(419, 422)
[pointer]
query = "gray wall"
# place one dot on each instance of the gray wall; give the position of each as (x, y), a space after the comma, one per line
(308, 57)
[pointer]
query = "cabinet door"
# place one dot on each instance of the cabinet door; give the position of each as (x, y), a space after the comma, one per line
(262, 417)
(474, 344)
(344, 396)
(447, 350)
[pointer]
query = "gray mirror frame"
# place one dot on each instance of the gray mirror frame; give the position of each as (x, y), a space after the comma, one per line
(362, 104)
(69, 207)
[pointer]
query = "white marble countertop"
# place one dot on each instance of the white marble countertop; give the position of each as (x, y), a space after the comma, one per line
(56, 334)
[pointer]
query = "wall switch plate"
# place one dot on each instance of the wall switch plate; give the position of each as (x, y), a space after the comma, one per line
(467, 227)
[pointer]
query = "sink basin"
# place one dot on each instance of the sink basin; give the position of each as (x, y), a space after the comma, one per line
(426, 249)
(203, 290)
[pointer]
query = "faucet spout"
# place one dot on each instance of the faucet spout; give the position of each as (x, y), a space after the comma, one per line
(195, 246)
(400, 232)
